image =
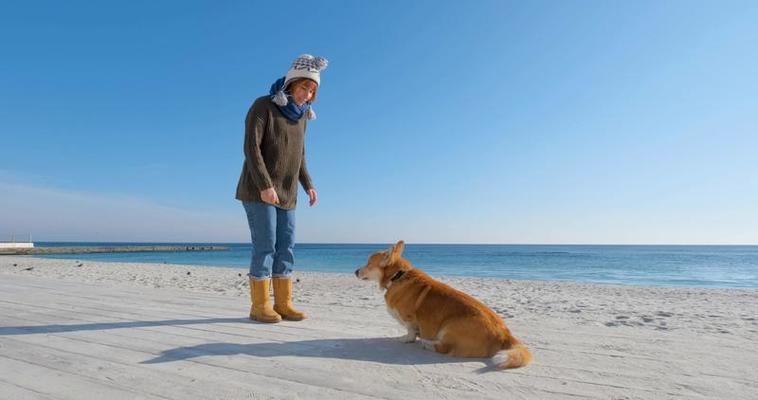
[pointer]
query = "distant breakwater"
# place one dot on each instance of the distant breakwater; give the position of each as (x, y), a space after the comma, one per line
(113, 249)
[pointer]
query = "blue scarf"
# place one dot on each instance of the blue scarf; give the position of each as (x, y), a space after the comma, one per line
(292, 111)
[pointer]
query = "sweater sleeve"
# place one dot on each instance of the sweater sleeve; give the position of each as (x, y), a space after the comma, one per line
(255, 125)
(304, 176)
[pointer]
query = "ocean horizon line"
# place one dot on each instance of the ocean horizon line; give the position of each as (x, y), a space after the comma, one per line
(411, 243)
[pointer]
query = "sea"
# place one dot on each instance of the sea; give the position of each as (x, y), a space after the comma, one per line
(643, 265)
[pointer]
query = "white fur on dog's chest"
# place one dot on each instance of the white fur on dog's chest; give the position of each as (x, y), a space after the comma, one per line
(396, 314)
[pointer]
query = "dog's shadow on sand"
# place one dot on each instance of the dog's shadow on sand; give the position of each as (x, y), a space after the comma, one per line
(381, 350)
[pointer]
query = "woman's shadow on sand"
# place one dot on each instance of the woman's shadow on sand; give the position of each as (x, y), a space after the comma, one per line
(382, 350)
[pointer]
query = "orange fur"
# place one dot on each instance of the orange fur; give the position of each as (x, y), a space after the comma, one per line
(451, 321)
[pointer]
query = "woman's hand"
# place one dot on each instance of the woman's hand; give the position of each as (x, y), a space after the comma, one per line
(269, 196)
(312, 197)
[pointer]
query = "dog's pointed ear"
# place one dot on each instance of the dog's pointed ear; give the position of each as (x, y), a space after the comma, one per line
(397, 250)
(394, 252)
(388, 256)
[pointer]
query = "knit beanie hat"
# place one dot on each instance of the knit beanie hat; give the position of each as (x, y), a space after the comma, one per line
(305, 66)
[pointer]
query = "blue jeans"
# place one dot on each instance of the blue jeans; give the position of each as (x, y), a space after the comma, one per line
(272, 231)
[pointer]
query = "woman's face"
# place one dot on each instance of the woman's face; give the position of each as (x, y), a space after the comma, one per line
(303, 91)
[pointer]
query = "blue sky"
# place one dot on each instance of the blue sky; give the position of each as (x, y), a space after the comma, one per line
(438, 122)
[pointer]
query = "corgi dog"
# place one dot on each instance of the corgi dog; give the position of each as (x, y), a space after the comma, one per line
(444, 319)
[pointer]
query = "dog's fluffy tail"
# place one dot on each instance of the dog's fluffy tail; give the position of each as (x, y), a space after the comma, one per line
(514, 355)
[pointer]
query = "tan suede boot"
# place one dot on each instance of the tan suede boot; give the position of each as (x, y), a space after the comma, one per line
(283, 300)
(261, 309)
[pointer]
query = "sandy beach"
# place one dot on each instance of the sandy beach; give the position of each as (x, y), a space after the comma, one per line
(92, 329)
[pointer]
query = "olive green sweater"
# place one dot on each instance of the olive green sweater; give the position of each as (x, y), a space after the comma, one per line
(274, 155)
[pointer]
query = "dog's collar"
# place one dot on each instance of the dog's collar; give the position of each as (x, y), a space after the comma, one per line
(398, 275)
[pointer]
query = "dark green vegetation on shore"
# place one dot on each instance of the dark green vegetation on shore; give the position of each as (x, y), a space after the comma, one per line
(108, 249)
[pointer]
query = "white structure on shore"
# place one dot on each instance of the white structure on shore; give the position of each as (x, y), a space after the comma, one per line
(13, 244)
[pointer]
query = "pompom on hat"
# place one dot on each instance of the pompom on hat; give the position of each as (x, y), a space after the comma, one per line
(305, 66)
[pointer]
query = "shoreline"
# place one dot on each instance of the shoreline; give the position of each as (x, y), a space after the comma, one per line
(299, 270)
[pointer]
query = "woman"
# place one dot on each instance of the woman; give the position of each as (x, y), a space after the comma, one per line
(274, 164)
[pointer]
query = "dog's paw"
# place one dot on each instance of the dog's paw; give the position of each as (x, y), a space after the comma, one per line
(428, 344)
(407, 338)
